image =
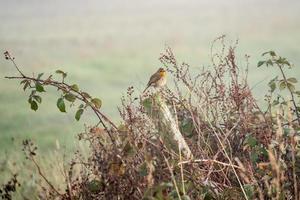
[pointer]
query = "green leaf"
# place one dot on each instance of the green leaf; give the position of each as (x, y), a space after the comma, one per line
(272, 53)
(95, 186)
(264, 152)
(86, 95)
(275, 103)
(33, 92)
(97, 102)
(254, 157)
(128, 150)
(23, 81)
(59, 71)
(284, 103)
(282, 85)
(40, 75)
(70, 97)
(64, 75)
(260, 63)
(187, 127)
(291, 87)
(269, 62)
(249, 189)
(251, 141)
(292, 80)
(26, 85)
(143, 171)
(34, 106)
(78, 114)
(38, 98)
(272, 85)
(147, 103)
(61, 105)
(283, 61)
(75, 87)
(39, 87)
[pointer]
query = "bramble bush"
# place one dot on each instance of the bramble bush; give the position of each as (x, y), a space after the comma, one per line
(204, 138)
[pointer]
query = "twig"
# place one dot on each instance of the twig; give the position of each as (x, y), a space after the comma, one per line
(79, 96)
(292, 94)
(181, 171)
(227, 156)
(293, 147)
(172, 175)
(43, 176)
(60, 85)
(208, 160)
(12, 59)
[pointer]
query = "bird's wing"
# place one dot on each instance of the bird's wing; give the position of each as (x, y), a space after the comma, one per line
(153, 79)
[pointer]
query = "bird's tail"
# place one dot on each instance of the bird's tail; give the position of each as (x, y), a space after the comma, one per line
(146, 89)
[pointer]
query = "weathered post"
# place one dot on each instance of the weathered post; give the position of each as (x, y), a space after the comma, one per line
(166, 125)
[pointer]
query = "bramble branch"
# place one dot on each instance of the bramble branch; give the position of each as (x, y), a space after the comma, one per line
(75, 92)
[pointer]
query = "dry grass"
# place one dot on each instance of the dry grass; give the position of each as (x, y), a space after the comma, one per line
(238, 150)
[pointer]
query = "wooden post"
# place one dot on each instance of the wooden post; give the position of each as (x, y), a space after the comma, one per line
(167, 127)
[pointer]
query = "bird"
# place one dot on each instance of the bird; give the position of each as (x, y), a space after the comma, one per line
(158, 79)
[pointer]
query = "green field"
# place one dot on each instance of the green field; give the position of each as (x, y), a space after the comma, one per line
(106, 46)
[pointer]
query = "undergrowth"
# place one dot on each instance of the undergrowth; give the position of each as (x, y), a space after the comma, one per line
(238, 149)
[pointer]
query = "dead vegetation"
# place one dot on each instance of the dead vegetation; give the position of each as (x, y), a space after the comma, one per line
(229, 148)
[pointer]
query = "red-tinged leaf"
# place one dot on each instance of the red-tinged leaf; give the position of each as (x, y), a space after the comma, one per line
(70, 97)
(292, 80)
(75, 87)
(86, 95)
(97, 102)
(64, 75)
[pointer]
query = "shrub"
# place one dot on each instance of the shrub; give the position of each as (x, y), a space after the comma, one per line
(204, 138)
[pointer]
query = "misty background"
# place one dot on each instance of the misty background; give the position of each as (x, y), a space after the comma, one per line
(107, 46)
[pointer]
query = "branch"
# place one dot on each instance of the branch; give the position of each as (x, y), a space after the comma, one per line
(292, 95)
(80, 96)
(67, 88)
(209, 160)
(43, 176)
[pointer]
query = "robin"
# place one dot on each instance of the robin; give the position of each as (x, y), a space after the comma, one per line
(158, 79)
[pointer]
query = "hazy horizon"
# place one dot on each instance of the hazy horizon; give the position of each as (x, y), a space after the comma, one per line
(106, 46)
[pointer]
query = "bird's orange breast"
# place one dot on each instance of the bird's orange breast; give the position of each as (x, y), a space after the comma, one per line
(162, 74)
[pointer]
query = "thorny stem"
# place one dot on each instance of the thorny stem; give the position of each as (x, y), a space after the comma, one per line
(81, 97)
(63, 86)
(292, 95)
